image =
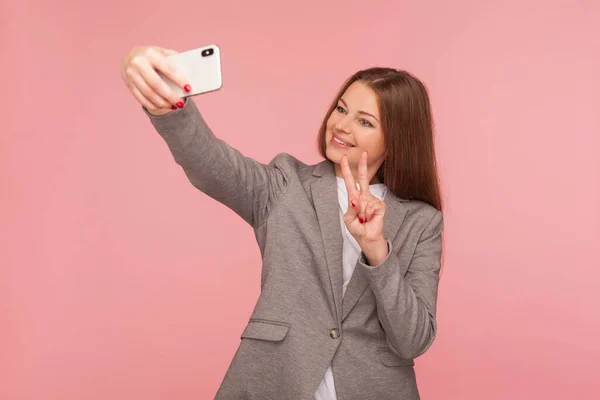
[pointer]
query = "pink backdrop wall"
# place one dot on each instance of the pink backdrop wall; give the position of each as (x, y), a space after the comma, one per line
(119, 280)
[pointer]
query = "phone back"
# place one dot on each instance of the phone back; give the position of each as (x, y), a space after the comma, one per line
(202, 66)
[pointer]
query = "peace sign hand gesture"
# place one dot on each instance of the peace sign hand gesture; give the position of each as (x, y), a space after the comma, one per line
(364, 218)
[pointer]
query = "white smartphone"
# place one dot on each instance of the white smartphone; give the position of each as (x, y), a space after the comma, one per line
(202, 66)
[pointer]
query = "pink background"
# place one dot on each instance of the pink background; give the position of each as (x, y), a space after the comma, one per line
(119, 280)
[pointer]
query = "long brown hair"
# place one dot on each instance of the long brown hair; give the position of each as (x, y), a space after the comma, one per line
(410, 167)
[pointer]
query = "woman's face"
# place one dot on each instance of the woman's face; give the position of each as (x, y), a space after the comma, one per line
(355, 122)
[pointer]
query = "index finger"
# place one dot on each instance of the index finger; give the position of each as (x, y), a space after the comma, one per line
(363, 178)
(348, 178)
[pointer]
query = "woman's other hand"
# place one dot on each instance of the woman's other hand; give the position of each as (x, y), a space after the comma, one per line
(364, 218)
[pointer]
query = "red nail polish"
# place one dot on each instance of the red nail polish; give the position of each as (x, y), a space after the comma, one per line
(187, 88)
(173, 108)
(362, 221)
(353, 205)
(180, 104)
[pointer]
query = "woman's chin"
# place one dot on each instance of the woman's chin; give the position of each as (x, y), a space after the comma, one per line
(335, 155)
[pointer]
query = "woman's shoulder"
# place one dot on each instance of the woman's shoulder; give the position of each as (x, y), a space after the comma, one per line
(423, 213)
(291, 165)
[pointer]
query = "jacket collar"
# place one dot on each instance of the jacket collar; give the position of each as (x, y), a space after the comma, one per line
(324, 194)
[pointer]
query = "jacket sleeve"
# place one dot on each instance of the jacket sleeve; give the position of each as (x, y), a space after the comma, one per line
(406, 303)
(249, 188)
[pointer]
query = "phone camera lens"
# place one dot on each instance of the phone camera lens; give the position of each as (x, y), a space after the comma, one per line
(207, 52)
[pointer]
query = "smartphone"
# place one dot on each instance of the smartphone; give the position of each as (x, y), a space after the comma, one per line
(202, 66)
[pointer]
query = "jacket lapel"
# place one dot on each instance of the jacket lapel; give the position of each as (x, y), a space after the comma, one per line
(325, 199)
(394, 215)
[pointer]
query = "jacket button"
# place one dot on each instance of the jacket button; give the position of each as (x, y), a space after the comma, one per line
(334, 333)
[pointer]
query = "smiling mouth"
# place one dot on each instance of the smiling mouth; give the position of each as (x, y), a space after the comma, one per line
(341, 142)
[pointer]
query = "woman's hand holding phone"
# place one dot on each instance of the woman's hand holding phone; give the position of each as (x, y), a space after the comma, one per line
(139, 72)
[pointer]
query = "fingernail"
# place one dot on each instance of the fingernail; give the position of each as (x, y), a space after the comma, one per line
(173, 108)
(180, 104)
(362, 221)
(187, 88)
(353, 205)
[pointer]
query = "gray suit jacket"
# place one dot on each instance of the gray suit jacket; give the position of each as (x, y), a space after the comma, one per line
(300, 323)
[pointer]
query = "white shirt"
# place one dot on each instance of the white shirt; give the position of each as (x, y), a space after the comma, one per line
(350, 253)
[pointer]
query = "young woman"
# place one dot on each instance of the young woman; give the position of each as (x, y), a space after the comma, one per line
(351, 246)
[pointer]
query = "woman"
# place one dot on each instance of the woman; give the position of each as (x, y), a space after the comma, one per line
(351, 246)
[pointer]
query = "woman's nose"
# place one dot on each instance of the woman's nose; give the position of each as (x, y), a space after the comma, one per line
(342, 125)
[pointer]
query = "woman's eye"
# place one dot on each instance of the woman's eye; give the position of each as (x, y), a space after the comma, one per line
(340, 109)
(364, 122)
